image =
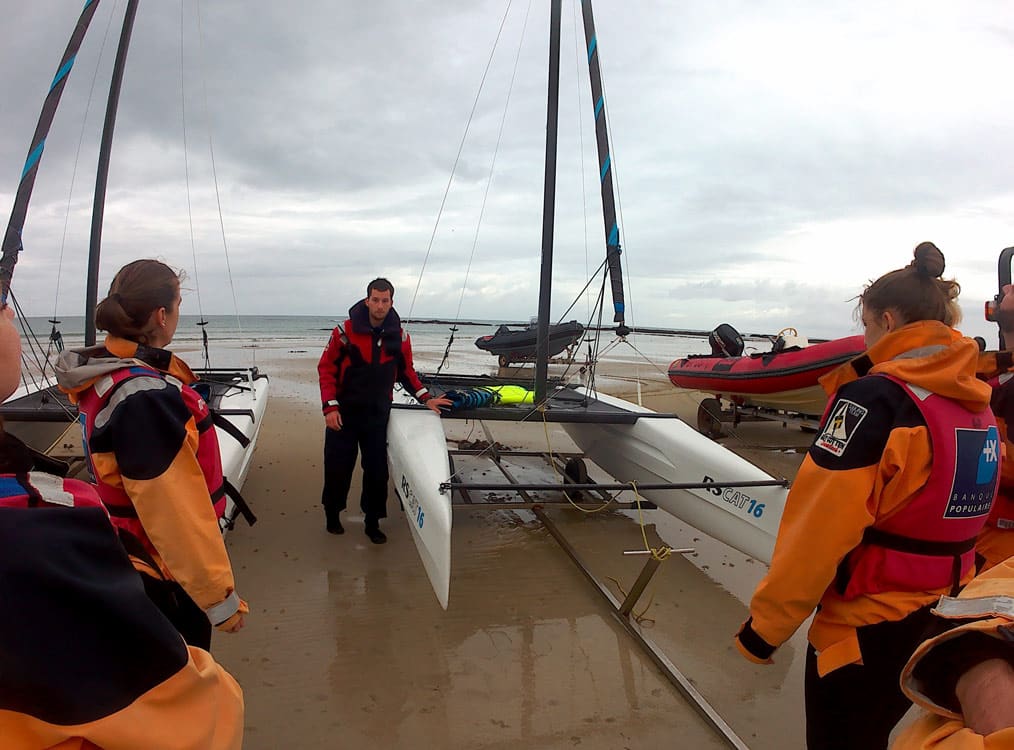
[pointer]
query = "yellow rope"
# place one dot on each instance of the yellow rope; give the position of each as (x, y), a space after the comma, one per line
(639, 617)
(657, 553)
(552, 462)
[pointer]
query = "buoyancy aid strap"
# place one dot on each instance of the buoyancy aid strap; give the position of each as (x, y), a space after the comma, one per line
(34, 496)
(228, 427)
(135, 548)
(225, 609)
(121, 511)
(241, 504)
(899, 543)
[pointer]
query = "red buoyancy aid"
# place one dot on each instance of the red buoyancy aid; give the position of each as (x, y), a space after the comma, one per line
(96, 405)
(929, 543)
(38, 489)
(1002, 514)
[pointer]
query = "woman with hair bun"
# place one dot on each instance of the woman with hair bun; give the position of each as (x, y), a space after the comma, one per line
(883, 515)
(154, 453)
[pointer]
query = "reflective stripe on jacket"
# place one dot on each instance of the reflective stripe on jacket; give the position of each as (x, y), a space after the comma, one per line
(96, 407)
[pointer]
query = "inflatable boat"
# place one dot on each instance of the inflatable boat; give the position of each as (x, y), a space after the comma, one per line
(784, 378)
(518, 345)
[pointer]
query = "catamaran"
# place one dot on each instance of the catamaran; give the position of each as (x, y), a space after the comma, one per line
(663, 459)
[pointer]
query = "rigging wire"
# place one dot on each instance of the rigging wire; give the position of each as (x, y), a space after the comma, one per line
(457, 157)
(43, 382)
(190, 211)
(496, 151)
(214, 174)
(77, 161)
(489, 182)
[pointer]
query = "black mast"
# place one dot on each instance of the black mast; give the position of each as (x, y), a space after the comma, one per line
(548, 204)
(101, 177)
(12, 237)
(605, 171)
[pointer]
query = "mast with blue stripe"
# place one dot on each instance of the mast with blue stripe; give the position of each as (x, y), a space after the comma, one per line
(605, 171)
(12, 238)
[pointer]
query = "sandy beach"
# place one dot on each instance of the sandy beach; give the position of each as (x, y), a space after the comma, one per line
(347, 646)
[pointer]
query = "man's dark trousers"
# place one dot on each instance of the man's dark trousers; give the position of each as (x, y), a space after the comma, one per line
(360, 432)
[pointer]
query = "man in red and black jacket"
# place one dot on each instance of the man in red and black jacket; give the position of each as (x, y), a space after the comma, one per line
(358, 369)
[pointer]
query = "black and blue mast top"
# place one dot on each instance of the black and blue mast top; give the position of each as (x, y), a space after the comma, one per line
(12, 238)
(605, 171)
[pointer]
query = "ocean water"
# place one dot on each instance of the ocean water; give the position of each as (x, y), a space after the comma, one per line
(237, 341)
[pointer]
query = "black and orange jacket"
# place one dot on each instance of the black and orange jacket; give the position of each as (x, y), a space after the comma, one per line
(88, 661)
(996, 542)
(147, 446)
(361, 364)
(885, 463)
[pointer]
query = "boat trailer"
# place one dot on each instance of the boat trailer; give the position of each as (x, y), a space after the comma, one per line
(712, 415)
(572, 467)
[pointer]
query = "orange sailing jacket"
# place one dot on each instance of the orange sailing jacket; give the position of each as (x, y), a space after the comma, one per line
(150, 450)
(884, 462)
(941, 727)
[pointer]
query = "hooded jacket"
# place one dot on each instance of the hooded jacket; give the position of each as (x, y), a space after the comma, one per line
(148, 448)
(361, 364)
(883, 464)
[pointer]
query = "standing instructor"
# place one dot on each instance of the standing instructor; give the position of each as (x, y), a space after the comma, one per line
(361, 363)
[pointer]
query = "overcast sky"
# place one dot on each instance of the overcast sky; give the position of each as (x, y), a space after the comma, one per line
(771, 157)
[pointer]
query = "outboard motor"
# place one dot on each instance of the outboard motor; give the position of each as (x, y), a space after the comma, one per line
(725, 341)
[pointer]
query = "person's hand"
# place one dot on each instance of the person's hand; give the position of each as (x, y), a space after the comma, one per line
(986, 695)
(438, 404)
(234, 624)
(333, 420)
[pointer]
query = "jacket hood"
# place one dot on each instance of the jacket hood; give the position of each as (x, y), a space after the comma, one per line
(359, 314)
(927, 354)
(78, 369)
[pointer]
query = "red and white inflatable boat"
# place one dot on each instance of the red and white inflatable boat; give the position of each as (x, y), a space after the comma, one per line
(784, 378)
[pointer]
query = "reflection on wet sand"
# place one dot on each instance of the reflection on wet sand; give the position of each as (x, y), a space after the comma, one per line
(347, 646)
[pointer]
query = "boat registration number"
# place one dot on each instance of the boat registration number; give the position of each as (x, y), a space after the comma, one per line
(413, 505)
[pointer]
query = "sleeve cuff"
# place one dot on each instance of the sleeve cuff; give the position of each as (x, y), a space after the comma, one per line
(752, 646)
(219, 613)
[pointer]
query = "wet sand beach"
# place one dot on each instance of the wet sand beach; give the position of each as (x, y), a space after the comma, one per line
(346, 645)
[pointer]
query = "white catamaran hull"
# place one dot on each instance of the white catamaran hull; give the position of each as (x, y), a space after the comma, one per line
(244, 407)
(669, 450)
(418, 461)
